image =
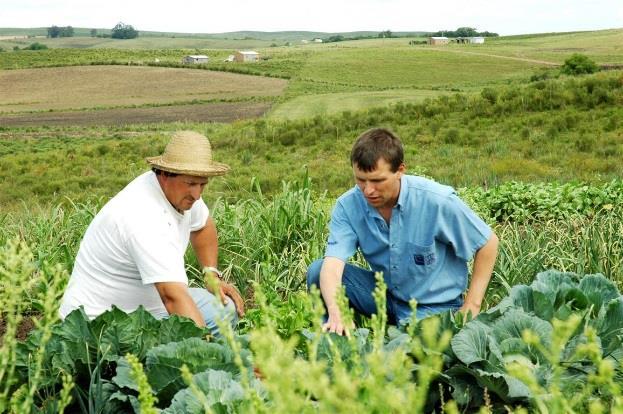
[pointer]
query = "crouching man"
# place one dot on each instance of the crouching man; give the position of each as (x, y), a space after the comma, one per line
(417, 232)
(132, 253)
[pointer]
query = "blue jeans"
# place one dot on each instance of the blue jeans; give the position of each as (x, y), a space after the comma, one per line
(360, 283)
(212, 309)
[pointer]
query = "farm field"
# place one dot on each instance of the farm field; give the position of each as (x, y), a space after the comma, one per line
(84, 87)
(534, 152)
(176, 112)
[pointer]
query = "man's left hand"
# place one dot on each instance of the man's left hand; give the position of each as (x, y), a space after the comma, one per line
(470, 309)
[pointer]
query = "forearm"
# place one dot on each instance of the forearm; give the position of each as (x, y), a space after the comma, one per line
(205, 244)
(330, 280)
(484, 262)
(183, 305)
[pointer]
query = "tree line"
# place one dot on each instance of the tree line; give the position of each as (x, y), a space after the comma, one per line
(120, 31)
(463, 32)
(56, 31)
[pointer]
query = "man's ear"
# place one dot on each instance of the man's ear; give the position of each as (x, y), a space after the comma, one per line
(402, 169)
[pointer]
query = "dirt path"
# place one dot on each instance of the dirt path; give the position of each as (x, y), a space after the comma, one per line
(538, 62)
(213, 112)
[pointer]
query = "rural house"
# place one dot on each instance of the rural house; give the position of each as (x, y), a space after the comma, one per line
(477, 40)
(438, 40)
(246, 56)
(195, 59)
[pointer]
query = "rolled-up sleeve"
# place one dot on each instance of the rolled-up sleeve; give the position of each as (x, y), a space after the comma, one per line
(342, 242)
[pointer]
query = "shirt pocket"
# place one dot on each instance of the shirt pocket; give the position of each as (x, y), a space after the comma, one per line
(423, 258)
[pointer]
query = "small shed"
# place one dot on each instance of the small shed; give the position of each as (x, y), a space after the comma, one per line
(317, 40)
(246, 56)
(438, 40)
(479, 40)
(195, 59)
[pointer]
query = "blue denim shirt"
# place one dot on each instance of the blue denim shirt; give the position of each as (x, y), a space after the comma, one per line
(423, 252)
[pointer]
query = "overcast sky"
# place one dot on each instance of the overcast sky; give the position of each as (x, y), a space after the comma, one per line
(208, 16)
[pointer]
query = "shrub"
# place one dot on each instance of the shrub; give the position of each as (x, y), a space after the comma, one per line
(578, 64)
(36, 46)
(452, 136)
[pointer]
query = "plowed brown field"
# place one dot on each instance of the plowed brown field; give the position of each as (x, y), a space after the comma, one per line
(79, 87)
(212, 112)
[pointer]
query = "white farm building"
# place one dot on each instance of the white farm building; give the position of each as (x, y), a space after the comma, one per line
(438, 40)
(246, 56)
(195, 59)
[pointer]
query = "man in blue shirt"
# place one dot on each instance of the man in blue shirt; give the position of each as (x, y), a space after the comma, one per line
(417, 232)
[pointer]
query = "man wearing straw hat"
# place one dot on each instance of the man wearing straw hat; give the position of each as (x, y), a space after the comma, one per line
(132, 254)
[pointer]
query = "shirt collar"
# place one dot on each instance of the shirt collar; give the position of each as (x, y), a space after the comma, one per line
(404, 189)
(402, 197)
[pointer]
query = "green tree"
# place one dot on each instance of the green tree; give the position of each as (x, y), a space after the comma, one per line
(386, 33)
(93, 32)
(578, 64)
(67, 31)
(54, 31)
(465, 32)
(123, 31)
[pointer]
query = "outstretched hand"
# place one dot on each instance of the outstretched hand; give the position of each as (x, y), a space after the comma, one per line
(334, 325)
(469, 309)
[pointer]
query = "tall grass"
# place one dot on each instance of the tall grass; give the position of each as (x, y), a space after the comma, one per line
(583, 245)
(271, 241)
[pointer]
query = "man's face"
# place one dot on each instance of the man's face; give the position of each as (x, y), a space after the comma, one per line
(380, 186)
(183, 190)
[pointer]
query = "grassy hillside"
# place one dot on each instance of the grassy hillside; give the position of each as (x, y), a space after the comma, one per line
(557, 130)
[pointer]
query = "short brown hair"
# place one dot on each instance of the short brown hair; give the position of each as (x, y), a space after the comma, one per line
(375, 144)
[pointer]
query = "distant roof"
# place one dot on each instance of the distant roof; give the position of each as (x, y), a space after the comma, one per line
(248, 52)
(439, 37)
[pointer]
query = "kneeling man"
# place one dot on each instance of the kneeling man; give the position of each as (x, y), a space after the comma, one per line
(132, 253)
(417, 232)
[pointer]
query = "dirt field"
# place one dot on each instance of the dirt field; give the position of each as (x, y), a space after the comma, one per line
(213, 112)
(76, 87)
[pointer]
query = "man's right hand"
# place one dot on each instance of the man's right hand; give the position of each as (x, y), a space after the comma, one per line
(227, 289)
(334, 323)
(222, 289)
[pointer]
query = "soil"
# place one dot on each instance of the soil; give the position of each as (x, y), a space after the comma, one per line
(23, 329)
(212, 112)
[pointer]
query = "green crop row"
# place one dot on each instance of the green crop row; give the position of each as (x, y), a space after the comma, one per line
(553, 346)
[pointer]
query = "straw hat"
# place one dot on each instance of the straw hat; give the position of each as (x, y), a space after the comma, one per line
(189, 153)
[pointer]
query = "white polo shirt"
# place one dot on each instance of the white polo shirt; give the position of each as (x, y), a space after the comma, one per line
(136, 240)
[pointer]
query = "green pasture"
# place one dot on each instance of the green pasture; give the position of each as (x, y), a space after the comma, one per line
(410, 67)
(309, 106)
(603, 46)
